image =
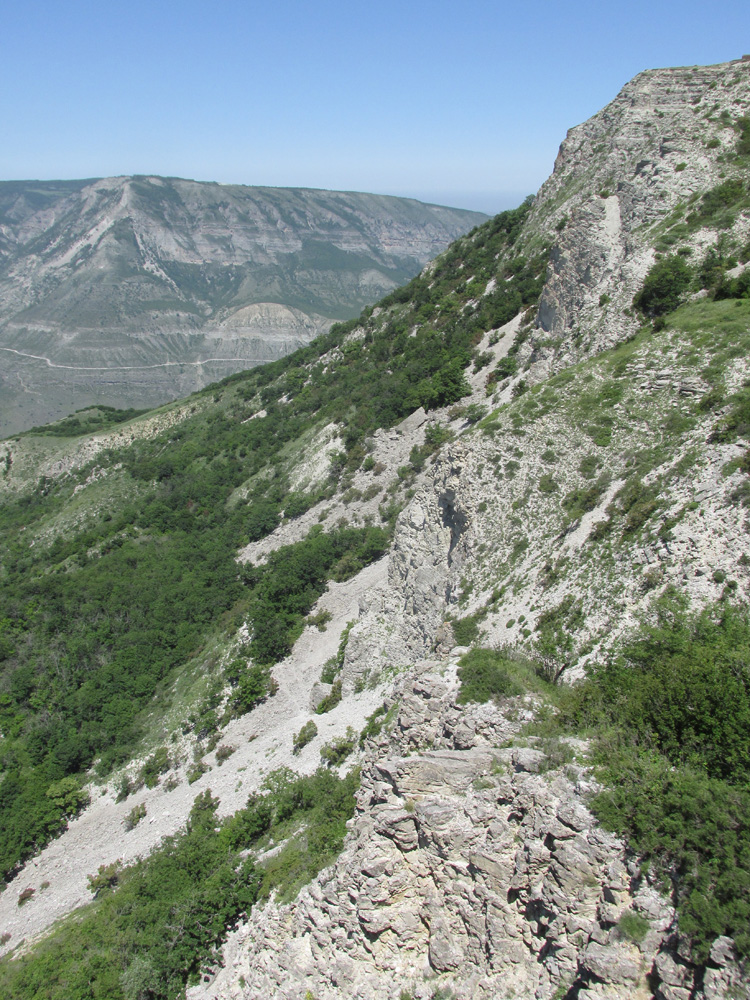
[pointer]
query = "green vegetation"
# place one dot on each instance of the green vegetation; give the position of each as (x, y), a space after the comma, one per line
(633, 926)
(485, 676)
(134, 817)
(153, 927)
(466, 629)
(331, 700)
(376, 722)
(334, 754)
(285, 588)
(665, 284)
(121, 590)
(306, 735)
(583, 499)
(670, 717)
(87, 421)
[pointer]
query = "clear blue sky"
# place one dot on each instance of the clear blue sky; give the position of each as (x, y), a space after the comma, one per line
(459, 103)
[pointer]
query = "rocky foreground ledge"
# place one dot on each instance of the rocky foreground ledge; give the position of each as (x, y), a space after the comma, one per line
(474, 869)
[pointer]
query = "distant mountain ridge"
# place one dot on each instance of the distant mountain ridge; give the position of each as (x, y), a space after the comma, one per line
(109, 286)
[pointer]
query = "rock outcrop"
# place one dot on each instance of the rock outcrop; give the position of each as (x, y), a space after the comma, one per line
(617, 178)
(472, 865)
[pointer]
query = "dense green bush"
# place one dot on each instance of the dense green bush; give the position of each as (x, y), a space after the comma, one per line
(664, 286)
(671, 720)
(484, 676)
(254, 685)
(743, 142)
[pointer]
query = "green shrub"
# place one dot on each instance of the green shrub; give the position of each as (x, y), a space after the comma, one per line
(484, 676)
(736, 424)
(254, 685)
(25, 895)
(671, 717)
(306, 735)
(134, 817)
(581, 500)
(154, 766)
(319, 620)
(547, 484)
(664, 286)
(224, 752)
(374, 723)
(331, 700)
(329, 670)
(196, 771)
(107, 877)
(68, 796)
(475, 412)
(466, 629)
(335, 753)
(743, 143)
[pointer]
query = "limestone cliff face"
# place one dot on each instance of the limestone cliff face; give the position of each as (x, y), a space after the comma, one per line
(403, 623)
(617, 178)
(497, 531)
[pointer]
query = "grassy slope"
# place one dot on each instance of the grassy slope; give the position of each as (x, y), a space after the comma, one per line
(184, 476)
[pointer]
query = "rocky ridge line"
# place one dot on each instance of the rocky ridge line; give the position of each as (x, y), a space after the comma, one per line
(472, 864)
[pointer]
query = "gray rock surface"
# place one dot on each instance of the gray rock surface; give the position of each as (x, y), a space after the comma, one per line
(473, 865)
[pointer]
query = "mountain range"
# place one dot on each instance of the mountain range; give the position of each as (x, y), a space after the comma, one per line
(130, 291)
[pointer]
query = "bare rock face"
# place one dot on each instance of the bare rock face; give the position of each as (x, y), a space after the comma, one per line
(473, 865)
(617, 177)
(427, 552)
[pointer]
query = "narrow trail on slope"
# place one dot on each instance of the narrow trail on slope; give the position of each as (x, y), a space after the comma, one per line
(135, 368)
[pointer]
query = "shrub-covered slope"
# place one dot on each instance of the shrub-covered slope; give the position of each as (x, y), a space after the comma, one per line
(547, 430)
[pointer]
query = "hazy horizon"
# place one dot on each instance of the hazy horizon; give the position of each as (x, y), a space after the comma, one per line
(415, 100)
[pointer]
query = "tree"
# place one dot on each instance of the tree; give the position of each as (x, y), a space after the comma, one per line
(664, 286)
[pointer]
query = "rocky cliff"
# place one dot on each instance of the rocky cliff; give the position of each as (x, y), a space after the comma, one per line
(473, 868)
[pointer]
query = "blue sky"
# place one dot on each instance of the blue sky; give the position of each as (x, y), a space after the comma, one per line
(463, 104)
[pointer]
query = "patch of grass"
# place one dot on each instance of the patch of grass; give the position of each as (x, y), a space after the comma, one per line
(632, 926)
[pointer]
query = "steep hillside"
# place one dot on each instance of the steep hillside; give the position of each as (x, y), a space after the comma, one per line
(487, 542)
(133, 290)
